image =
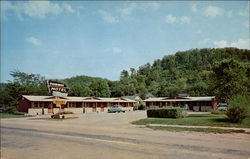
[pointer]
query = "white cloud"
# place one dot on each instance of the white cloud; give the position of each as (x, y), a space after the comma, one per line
(40, 9)
(108, 17)
(194, 8)
(34, 41)
(149, 5)
(116, 50)
(212, 11)
(128, 9)
(241, 43)
(184, 20)
(68, 8)
(131, 7)
(36, 9)
(170, 19)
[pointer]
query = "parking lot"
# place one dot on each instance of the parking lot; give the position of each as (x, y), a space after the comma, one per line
(110, 135)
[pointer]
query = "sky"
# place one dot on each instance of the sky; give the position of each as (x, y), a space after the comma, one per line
(62, 39)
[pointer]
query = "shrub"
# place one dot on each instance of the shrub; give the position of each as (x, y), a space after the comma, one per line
(167, 112)
(141, 107)
(10, 110)
(238, 108)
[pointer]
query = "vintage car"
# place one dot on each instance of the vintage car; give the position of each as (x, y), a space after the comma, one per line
(116, 108)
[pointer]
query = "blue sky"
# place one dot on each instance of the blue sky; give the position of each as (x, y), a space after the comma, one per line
(101, 38)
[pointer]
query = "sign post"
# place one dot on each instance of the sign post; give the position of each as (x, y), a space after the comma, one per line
(59, 102)
(58, 90)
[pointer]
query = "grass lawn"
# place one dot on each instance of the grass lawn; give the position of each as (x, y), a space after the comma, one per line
(7, 115)
(196, 120)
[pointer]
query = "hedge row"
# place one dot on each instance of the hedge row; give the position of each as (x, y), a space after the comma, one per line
(167, 112)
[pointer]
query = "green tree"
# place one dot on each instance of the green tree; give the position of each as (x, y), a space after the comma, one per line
(229, 78)
(79, 91)
(154, 88)
(238, 108)
(22, 84)
(10, 94)
(116, 89)
(124, 75)
(34, 84)
(100, 88)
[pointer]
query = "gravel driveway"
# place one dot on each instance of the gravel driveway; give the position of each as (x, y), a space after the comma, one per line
(107, 136)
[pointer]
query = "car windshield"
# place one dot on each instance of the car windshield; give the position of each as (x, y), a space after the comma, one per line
(223, 105)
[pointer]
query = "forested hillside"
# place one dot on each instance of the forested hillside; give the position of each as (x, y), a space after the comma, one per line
(184, 72)
(187, 71)
(222, 72)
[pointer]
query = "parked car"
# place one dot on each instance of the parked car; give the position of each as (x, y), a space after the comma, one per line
(116, 108)
(60, 115)
(222, 107)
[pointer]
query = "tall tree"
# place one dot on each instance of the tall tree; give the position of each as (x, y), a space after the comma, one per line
(79, 91)
(100, 88)
(229, 78)
(124, 75)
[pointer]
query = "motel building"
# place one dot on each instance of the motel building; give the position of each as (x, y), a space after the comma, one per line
(203, 104)
(37, 105)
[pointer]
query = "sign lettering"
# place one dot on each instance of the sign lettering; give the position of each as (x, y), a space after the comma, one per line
(57, 89)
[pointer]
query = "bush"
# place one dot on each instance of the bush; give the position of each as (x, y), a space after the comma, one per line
(10, 110)
(167, 112)
(238, 108)
(141, 107)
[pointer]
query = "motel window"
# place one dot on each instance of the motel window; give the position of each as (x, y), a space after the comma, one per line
(38, 104)
(72, 104)
(208, 103)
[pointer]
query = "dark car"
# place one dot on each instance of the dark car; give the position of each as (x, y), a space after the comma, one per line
(116, 108)
(60, 115)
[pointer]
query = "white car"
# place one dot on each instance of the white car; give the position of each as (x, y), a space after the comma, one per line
(222, 107)
(116, 108)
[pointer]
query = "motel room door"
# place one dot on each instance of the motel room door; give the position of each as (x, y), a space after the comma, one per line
(190, 106)
(50, 108)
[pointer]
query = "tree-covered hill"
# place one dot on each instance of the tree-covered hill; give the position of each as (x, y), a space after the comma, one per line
(82, 80)
(186, 71)
(199, 72)
(87, 86)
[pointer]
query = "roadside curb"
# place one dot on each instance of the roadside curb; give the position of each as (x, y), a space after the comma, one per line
(189, 126)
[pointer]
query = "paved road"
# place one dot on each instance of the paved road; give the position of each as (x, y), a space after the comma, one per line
(108, 136)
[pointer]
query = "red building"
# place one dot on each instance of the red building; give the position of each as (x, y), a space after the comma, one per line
(45, 104)
(192, 103)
